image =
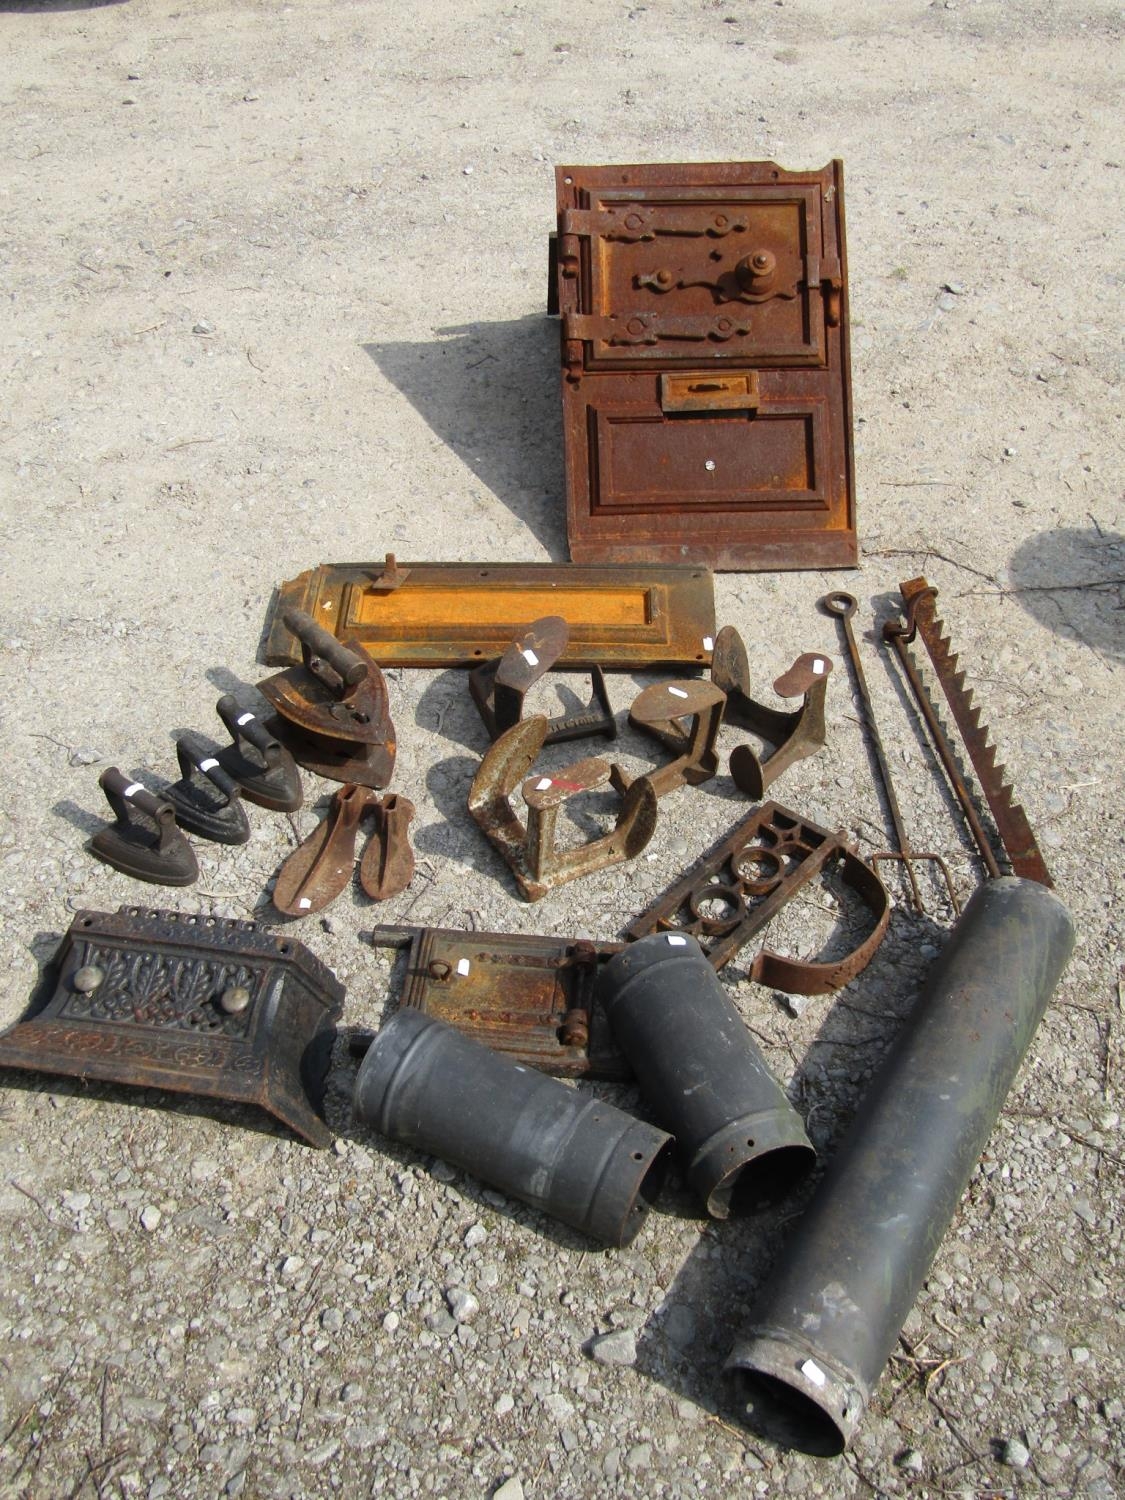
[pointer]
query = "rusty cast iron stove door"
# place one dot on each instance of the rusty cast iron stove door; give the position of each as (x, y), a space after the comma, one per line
(706, 372)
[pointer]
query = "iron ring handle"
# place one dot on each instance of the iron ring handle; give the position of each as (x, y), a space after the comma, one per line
(840, 604)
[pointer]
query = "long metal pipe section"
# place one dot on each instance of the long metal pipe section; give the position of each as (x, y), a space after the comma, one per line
(559, 1149)
(740, 1142)
(828, 1317)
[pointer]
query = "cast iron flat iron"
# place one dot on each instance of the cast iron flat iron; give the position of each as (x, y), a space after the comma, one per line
(257, 759)
(207, 800)
(144, 842)
(332, 710)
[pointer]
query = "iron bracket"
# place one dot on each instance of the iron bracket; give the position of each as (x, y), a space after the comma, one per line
(749, 876)
(530, 849)
(795, 735)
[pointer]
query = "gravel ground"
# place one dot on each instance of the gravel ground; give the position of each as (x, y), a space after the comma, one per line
(275, 279)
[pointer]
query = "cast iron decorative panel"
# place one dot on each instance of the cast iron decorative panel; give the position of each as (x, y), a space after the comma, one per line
(707, 386)
(193, 1004)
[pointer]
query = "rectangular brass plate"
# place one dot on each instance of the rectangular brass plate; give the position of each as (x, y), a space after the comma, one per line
(459, 614)
(510, 991)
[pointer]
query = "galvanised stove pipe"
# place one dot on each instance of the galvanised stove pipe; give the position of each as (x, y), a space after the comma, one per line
(556, 1148)
(828, 1317)
(740, 1141)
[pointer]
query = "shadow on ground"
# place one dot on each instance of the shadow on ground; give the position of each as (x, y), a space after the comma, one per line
(1072, 580)
(490, 392)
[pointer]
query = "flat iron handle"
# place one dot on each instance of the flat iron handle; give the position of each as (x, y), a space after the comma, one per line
(322, 644)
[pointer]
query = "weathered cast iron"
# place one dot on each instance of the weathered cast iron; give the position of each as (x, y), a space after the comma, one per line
(530, 997)
(387, 866)
(566, 1153)
(794, 735)
(707, 385)
(685, 716)
(499, 687)
(208, 801)
(195, 1005)
(143, 841)
(744, 880)
(257, 760)
(322, 866)
(1011, 820)
(460, 614)
(332, 710)
(530, 849)
(828, 1317)
(842, 606)
(740, 1142)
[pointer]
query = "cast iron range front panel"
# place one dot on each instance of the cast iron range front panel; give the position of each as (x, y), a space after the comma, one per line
(706, 373)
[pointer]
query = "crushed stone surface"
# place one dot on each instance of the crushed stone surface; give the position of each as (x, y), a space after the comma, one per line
(274, 287)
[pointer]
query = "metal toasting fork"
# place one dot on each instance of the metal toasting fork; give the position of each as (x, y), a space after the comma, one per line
(843, 606)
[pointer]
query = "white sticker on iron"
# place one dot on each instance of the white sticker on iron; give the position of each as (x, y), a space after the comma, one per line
(677, 692)
(244, 719)
(304, 903)
(543, 783)
(676, 942)
(708, 643)
(818, 667)
(463, 966)
(209, 764)
(131, 791)
(812, 1371)
(530, 657)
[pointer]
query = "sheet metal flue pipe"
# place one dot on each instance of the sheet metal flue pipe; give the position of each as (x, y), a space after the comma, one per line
(827, 1319)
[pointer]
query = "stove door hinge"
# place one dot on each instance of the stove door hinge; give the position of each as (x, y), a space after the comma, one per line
(825, 272)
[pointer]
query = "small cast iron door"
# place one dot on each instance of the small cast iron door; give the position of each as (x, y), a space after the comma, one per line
(706, 380)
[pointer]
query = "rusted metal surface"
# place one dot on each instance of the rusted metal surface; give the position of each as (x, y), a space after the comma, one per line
(499, 687)
(387, 866)
(1011, 820)
(740, 884)
(143, 841)
(332, 710)
(842, 606)
(322, 866)
(196, 1005)
(530, 848)
(460, 614)
(531, 997)
(794, 735)
(257, 760)
(207, 800)
(707, 382)
(685, 716)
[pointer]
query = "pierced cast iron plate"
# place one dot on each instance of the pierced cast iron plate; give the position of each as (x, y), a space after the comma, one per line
(158, 1017)
(707, 383)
